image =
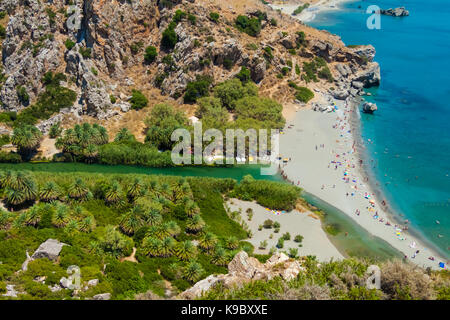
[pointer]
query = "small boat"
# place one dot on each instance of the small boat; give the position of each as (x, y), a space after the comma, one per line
(438, 222)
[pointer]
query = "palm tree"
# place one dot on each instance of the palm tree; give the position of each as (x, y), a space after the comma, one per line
(191, 208)
(114, 193)
(6, 178)
(87, 224)
(167, 247)
(153, 217)
(79, 191)
(61, 216)
(20, 220)
(71, 227)
(33, 216)
(195, 224)
(124, 135)
(232, 243)
(27, 139)
(50, 192)
(15, 197)
(173, 228)
(193, 271)
(136, 189)
(90, 152)
(162, 231)
(220, 256)
(132, 221)
(152, 246)
(208, 241)
(186, 250)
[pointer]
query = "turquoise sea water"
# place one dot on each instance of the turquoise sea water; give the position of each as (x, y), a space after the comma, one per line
(411, 130)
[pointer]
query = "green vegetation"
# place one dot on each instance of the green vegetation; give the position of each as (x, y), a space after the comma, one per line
(268, 194)
(162, 122)
(27, 139)
(81, 143)
(343, 280)
(69, 44)
(51, 101)
(138, 100)
(150, 54)
(251, 26)
(102, 217)
(317, 67)
(197, 89)
(300, 9)
(214, 16)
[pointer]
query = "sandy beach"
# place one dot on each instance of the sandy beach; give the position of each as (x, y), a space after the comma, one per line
(325, 163)
(309, 13)
(315, 241)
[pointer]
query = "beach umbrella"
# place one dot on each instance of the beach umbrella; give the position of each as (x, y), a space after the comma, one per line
(441, 265)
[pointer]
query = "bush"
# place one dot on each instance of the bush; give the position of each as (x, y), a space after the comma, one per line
(22, 95)
(169, 37)
(69, 44)
(298, 238)
(138, 100)
(244, 75)
(268, 224)
(150, 54)
(251, 26)
(214, 16)
(303, 94)
(197, 89)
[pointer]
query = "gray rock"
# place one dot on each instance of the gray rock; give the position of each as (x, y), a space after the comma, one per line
(369, 107)
(50, 249)
(102, 296)
(10, 291)
(397, 12)
(92, 283)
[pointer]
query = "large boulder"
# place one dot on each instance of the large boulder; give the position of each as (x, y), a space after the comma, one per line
(369, 107)
(243, 269)
(50, 249)
(370, 77)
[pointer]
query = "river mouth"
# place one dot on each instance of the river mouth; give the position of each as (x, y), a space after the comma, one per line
(358, 243)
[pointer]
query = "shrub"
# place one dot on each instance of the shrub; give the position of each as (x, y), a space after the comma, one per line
(138, 100)
(251, 26)
(298, 238)
(69, 44)
(214, 16)
(228, 63)
(192, 19)
(303, 94)
(55, 130)
(268, 224)
(169, 37)
(85, 52)
(244, 75)
(197, 89)
(150, 54)
(22, 95)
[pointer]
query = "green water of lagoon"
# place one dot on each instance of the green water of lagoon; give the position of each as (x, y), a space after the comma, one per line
(358, 242)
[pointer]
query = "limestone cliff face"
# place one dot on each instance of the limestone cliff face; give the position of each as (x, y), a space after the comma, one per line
(100, 44)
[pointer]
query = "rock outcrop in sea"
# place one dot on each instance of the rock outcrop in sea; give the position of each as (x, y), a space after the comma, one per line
(397, 12)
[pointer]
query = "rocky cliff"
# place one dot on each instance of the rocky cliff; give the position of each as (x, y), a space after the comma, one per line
(100, 46)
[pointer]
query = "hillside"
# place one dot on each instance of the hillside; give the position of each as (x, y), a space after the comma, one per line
(104, 60)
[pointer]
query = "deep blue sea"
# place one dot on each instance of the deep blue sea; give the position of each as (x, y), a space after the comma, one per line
(411, 129)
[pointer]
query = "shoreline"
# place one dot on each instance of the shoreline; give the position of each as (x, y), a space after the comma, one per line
(394, 214)
(309, 170)
(310, 13)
